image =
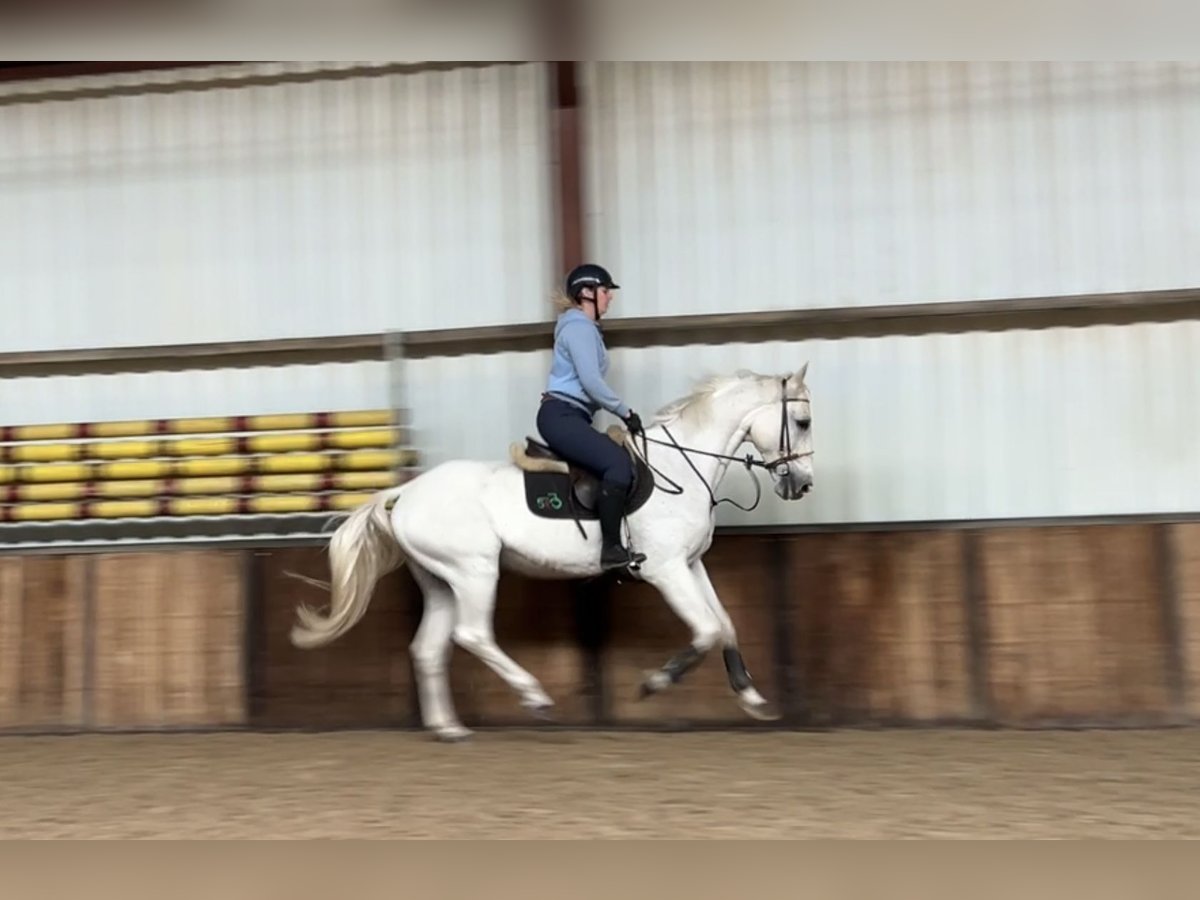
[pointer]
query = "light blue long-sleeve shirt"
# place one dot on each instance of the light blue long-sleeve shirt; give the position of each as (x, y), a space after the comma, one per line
(580, 364)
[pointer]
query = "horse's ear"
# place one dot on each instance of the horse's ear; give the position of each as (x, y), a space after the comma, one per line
(801, 372)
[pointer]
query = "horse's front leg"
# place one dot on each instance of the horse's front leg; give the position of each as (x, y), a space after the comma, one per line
(686, 597)
(735, 667)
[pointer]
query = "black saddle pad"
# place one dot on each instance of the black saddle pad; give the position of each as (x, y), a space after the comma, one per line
(572, 495)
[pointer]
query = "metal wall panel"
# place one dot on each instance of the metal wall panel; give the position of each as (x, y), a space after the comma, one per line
(399, 201)
(730, 187)
(221, 392)
(717, 188)
(473, 406)
(1093, 421)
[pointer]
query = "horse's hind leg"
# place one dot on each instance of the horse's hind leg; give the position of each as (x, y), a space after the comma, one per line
(430, 650)
(475, 601)
(735, 667)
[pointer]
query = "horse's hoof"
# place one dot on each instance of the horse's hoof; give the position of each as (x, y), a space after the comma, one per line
(542, 711)
(452, 734)
(654, 682)
(763, 710)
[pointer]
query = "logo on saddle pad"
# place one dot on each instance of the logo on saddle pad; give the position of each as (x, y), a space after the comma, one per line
(550, 501)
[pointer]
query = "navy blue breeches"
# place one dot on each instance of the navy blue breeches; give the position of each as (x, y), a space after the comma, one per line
(568, 431)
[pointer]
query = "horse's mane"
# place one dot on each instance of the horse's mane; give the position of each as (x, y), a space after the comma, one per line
(696, 406)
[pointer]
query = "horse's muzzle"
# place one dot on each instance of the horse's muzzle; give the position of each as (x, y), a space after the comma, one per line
(794, 485)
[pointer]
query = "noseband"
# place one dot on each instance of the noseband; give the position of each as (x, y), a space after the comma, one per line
(786, 455)
(777, 466)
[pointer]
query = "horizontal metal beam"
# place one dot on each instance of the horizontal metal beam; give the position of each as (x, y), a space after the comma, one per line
(98, 535)
(945, 318)
(40, 71)
(945, 525)
(201, 83)
(314, 530)
(831, 323)
(183, 357)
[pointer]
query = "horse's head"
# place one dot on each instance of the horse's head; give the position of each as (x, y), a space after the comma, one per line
(772, 412)
(781, 430)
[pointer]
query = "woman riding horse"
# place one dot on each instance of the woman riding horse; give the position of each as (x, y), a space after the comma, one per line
(575, 392)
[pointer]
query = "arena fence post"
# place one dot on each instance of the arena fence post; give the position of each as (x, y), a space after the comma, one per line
(976, 617)
(591, 613)
(791, 700)
(1174, 660)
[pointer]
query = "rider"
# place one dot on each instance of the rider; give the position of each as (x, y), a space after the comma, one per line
(575, 392)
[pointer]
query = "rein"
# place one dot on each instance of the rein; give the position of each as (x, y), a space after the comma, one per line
(786, 456)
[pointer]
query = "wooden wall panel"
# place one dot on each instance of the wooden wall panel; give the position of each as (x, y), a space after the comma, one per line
(1185, 546)
(878, 626)
(205, 668)
(43, 603)
(361, 679)
(876, 631)
(645, 633)
(168, 639)
(1075, 623)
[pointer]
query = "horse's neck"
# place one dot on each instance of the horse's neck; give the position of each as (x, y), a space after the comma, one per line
(721, 434)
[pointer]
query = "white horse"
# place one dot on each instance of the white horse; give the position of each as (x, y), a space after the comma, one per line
(460, 523)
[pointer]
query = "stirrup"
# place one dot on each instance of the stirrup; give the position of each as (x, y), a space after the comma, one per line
(632, 561)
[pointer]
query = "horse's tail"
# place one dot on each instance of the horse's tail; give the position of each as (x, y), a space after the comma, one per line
(362, 550)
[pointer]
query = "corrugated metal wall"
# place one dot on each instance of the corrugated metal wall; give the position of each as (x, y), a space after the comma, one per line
(863, 184)
(397, 201)
(725, 187)
(716, 188)
(1091, 421)
(286, 210)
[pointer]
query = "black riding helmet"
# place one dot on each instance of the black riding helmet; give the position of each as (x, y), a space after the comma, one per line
(588, 275)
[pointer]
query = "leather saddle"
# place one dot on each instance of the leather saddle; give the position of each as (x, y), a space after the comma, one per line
(556, 489)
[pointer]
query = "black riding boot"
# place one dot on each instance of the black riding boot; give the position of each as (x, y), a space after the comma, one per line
(610, 504)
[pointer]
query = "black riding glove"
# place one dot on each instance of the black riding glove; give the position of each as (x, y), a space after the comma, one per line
(634, 423)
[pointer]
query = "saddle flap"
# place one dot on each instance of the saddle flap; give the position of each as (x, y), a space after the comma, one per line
(557, 491)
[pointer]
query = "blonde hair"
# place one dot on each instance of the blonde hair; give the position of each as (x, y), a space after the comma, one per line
(561, 302)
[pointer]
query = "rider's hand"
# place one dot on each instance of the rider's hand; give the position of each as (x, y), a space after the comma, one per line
(634, 423)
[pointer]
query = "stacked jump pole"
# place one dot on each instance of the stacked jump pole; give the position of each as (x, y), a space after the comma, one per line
(320, 462)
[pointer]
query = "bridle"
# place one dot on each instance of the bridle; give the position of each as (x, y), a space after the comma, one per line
(778, 466)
